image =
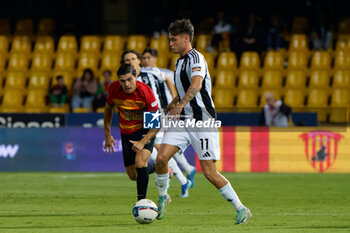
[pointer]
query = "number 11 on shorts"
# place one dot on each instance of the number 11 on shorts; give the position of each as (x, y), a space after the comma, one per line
(206, 143)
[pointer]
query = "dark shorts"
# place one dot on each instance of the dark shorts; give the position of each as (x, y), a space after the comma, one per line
(128, 154)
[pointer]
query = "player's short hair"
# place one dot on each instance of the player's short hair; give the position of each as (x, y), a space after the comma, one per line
(130, 51)
(126, 69)
(153, 52)
(182, 26)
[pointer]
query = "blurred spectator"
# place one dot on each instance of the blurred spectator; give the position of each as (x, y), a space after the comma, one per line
(58, 93)
(149, 57)
(84, 89)
(275, 112)
(222, 28)
(252, 38)
(321, 35)
(101, 95)
(275, 32)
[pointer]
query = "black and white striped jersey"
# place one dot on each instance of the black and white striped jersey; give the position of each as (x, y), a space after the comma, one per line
(201, 107)
(170, 74)
(153, 78)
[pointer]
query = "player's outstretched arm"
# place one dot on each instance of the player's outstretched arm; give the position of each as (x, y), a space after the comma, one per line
(171, 105)
(171, 87)
(138, 145)
(109, 140)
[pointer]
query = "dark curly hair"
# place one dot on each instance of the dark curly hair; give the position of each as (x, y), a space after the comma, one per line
(182, 26)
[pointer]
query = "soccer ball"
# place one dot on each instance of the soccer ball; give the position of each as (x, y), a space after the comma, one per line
(145, 211)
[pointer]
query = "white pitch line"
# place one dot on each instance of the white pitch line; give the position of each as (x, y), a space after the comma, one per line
(91, 175)
(172, 213)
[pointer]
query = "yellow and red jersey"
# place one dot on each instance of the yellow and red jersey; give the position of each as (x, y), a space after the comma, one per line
(131, 106)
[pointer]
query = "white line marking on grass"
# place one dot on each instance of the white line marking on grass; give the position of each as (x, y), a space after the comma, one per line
(312, 214)
(91, 175)
(171, 213)
(255, 213)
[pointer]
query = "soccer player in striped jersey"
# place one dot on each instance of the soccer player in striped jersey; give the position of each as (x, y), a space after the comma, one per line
(149, 61)
(193, 85)
(133, 58)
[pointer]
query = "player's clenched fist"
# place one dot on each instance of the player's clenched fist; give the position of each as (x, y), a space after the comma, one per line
(137, 146)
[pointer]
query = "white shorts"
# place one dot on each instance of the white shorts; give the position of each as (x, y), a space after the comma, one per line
(159, 137)
(206, 144)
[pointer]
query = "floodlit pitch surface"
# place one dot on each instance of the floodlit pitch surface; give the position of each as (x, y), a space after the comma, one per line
(102, 202)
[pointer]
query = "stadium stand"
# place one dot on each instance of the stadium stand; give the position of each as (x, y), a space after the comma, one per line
(24, 27)
(341, 79)
(67, 44)
(223, 99)
(113, 44)
(4, 44)
(15, 80)
(250, 61)
(44, 44)
(46, 27)
(41, 62)
(272, 79)
(246, 100)
(319, 77)
(36, 101)
(137, 42)
(248, 79)
(12, 101)
(90, 44)
(39, 80)
(225, 79)
(317, 102)
(227, 61)
(18, 62)
(274, 61)
(295, 79)
(21, 44)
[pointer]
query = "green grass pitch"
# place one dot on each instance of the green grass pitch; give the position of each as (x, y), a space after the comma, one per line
(102, 202)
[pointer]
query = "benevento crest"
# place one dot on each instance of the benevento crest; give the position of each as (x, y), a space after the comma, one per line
(321, 148)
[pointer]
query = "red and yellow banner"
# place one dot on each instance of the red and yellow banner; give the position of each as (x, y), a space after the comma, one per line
(262, 149)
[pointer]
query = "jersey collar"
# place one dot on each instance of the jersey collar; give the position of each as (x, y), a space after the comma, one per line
(193, 49)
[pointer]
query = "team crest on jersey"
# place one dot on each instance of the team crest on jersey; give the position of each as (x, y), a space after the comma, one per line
(194, 69)
(321, 148)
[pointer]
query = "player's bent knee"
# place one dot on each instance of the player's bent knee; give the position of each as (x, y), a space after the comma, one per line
(161, 160)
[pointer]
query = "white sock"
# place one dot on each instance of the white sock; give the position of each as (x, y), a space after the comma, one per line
(230, 195)
(153, 156)
(181, 159)
(162, 181)
(177, 171)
